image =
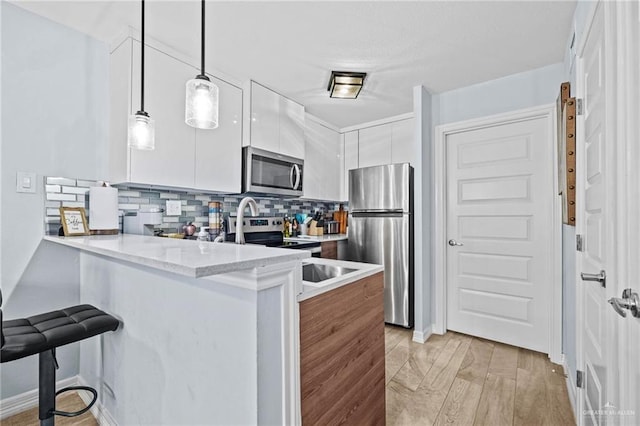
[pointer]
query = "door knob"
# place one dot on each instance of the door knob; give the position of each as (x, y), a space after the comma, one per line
(455, 243)
(629, 300)
(601, 277)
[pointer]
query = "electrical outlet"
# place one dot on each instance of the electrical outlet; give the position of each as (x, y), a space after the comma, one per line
(174, 207)
(26, 182)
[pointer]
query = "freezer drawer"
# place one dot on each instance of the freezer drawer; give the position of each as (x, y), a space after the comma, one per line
(387, 239)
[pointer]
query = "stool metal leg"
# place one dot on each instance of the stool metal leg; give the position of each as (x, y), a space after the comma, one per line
(47, 388)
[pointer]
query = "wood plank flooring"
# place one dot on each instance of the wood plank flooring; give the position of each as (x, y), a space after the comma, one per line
(67, 402)
(451, 379)
(459, 379)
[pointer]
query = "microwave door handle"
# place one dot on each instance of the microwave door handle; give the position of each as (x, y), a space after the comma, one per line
(291, 176)
(297, 169)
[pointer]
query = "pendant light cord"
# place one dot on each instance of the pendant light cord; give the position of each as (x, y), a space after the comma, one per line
(202, 42)
(142, 63)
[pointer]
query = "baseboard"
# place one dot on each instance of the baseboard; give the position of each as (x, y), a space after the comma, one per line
(25, 401)
(101, 414)
(422, 336)
(571, 387)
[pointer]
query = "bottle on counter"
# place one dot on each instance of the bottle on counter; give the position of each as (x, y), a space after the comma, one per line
(294, 227)
(285, 228)
(203, 235)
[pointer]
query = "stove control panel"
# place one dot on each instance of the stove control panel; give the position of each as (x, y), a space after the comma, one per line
(256, 224)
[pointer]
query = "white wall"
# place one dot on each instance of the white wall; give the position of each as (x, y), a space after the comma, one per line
(54, 122)
(423, 214)
(518, 91)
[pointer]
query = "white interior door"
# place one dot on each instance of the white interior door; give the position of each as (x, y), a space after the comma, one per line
(595, 220)
(500, 210)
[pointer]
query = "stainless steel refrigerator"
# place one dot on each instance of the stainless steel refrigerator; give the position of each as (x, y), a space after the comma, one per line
(381, 231)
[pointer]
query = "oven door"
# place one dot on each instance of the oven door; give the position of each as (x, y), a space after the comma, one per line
(271, 173)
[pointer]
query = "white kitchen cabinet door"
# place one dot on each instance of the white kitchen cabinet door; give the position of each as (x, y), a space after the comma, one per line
(292, 128)
(218, 162)
(374, 146)
(265, 118)
(171, 162)
(350, 160)
(322, 164)
(402, 143)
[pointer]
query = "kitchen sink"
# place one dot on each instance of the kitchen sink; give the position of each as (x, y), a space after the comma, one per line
(316, 273)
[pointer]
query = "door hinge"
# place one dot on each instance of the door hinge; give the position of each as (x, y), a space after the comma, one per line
(579, 378)
(579, 243)
(579, 110)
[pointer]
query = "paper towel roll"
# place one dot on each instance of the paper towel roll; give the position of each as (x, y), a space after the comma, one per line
(103, 208)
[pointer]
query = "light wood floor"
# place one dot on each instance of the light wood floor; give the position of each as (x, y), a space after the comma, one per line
(67, 402)
(451, 379)
(459, 379)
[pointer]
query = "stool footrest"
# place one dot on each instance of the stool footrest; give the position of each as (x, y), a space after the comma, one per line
(84, 410)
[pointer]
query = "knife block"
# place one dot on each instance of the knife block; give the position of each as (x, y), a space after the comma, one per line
(314, 229)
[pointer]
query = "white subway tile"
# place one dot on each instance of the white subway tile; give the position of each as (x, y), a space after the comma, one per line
(169, 196)
(53, 204)
(52, 188)
(72, 204)
(87, 183)
(129, 206)
(171, 219)
(61, 197)
(53, 212)
(128, 193)
(61, 181)
(74, 190)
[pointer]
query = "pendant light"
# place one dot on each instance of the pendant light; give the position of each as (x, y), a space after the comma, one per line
(141, 132)
(201, 103)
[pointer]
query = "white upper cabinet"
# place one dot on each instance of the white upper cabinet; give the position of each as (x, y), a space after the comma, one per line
(164, 93)
(218, 161)
(183, 156)
(277, 123)
(323, 162)
(265, 118)
(292, 126)
(402, 143)
(350, 155)
(374, 146)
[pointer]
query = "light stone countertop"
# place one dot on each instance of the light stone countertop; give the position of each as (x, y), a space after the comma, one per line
(362, 270)
(322, 238)
(191, 258)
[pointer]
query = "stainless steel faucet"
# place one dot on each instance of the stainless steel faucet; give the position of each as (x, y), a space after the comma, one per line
(240, 216)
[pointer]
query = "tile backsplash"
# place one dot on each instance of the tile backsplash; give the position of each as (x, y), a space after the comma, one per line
(66, 192)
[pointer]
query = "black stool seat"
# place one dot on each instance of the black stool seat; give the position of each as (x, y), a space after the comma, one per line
(39, 333)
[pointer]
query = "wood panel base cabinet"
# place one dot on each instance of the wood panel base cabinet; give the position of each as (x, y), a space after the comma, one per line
(342, 371)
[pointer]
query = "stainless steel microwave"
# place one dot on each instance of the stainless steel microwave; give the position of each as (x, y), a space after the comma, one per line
(266, 172)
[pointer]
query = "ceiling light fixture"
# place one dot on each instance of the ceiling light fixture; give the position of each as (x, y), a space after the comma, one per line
(201, 103)
(141, 130)
(346, 85)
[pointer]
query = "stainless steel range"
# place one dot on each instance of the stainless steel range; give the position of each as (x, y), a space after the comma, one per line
(267, 231)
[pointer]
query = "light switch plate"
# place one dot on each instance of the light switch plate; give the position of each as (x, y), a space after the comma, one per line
(174, 208)
(26, 182)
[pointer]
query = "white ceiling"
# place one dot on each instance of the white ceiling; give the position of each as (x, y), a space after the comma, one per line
(292, 47)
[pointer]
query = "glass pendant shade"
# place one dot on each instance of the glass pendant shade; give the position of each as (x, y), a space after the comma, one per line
(201, 104)
(141, 131)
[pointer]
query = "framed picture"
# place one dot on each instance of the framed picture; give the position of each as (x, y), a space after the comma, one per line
(74, 221)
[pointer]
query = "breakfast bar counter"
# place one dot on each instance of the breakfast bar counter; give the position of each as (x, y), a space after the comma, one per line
(209, 330)
(185, 257)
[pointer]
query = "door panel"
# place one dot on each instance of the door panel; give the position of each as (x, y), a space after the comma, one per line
(499, 206)
(385, 240)
(592, 181)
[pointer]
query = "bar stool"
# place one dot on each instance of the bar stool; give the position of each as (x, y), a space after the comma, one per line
(42, 334)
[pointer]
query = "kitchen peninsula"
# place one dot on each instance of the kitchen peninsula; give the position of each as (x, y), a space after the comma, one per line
(210, 331)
